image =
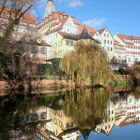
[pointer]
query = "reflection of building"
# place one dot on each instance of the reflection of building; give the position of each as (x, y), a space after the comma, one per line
(108, 122)
(121, 111)
(130, 112)
(20, 135)
(59, 127)
(27, 121)
(35, 115)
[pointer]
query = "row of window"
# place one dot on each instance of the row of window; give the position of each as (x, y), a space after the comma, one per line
(132, 52)
(133, 113)
(106, 35)
(133, 107)
(108, 42)
(133, 47)
(120, 52)
(35, 50)
(137, 41)
(108, 49)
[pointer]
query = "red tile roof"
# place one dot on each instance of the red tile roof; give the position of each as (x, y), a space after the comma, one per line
(28, 17)
(62, 22)
(101, 30)
(127, 37)
(89, 29)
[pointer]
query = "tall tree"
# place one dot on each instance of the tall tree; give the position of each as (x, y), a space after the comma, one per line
(86, 64)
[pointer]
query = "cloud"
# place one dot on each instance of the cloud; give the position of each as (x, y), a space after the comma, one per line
(73, 3)
(95, 22)
(76, 3)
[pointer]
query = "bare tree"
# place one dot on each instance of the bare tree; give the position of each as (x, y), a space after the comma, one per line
(15, 48)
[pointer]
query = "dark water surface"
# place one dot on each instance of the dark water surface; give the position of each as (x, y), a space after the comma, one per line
(97, 114)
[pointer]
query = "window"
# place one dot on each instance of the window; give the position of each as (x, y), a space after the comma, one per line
(43, 50)
(69, 43)
(104, 41)
(108, 41)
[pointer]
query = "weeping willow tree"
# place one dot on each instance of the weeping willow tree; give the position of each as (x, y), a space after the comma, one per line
(86, 64)
(86, 108)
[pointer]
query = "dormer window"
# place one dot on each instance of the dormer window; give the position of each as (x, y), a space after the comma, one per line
(39, 40)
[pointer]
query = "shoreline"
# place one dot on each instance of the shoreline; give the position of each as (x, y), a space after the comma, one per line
(51, 86)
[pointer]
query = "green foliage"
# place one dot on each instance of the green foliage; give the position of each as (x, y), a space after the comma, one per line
(86, 63)
(49, 69)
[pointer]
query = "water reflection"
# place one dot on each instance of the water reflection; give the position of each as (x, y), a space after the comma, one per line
(67, 115)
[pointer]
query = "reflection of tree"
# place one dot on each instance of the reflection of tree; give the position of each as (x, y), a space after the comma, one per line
(86, 108)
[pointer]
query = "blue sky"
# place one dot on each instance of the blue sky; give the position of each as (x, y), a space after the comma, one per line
(122, 16)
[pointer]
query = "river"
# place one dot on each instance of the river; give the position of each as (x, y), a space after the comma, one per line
(99, 114)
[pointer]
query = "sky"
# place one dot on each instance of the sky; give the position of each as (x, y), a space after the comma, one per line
(119, 16)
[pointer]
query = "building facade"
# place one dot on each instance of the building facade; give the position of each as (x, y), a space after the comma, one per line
(131, 45)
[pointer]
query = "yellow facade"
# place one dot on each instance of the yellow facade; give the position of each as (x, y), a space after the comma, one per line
(60, 45)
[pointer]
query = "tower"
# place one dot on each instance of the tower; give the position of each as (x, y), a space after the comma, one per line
(50, 8)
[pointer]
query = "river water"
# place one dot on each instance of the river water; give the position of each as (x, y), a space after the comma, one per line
(99, 114)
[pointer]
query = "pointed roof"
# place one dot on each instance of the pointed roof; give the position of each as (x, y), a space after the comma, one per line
(89, 29)
(102, 30)
(50, 0)
(85, 34)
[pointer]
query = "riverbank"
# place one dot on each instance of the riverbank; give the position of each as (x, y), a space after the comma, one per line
(51, 86)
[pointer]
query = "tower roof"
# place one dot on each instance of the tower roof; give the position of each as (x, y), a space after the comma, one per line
(50, 0)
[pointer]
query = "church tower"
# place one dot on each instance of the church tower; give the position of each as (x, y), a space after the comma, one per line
(50, 8)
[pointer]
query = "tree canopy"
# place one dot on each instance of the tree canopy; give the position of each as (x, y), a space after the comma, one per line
(86, 64)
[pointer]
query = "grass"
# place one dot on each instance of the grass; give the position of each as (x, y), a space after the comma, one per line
(119, 83)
